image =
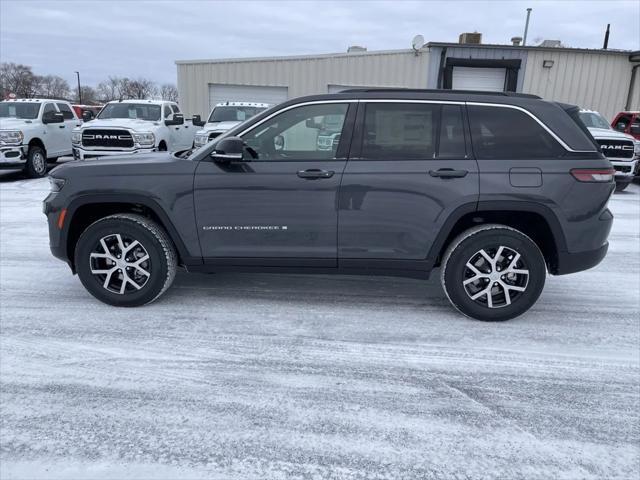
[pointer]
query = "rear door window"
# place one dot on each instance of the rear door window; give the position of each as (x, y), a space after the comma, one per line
(452, 140)
(66, 111)
(507, 133)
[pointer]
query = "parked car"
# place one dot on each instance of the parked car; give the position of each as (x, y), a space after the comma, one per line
(133, 126)
(87, 112)
(33, 132)
(473, 183)
(627, 122)
(622, 150)
(223, 117)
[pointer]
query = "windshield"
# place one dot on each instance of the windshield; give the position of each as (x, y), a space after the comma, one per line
(594, 120)
(233, 114)
(25, 110)
(140, 111)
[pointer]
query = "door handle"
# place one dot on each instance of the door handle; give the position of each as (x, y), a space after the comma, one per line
(314, 173)
(61, 126)
(448, 173)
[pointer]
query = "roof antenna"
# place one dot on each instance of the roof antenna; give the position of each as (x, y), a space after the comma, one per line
(526, 27)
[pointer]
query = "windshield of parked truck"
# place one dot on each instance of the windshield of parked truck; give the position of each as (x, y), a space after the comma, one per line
(139, 111)
(26, 110)
(233, 114)
(594, 120)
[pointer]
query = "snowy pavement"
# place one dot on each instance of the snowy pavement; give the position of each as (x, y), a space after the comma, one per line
(238, 376)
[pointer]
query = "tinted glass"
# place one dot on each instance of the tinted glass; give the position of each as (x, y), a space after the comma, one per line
(233, 113)
(594, 120)
(167, 111)
(501, 133)
(48, 107)
(303, 133)
(175, 109)
(66, 111)
(451, 133)
(142, 111)
(399, 131)
(19, 110)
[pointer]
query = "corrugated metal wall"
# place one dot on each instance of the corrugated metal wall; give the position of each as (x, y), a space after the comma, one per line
(597, 81)
(303, 75)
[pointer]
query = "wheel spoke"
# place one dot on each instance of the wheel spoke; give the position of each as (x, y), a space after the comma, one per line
(507, 297)
(471, 280)
(486, 291)
(472, 267)
(514, 287)
(131, 246)
(498, 255)
(123, 246)
(107, 280)
(487, 258)
(102, 272)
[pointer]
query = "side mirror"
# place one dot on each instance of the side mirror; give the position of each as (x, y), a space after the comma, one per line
(197, 121)
(87, 115)
(229, 149)
(52, 117)
(311, 123)
(178, 119)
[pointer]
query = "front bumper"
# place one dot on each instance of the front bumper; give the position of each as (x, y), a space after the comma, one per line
(80, 153)
(625, 171)
(12, 156)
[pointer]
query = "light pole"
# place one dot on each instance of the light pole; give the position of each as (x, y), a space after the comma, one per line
(79, 90)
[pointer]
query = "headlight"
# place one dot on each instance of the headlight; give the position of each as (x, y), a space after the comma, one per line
(13, 137)
(201, 139)
(636, 148)
(145, 138)
(76, 137)
(56, 184)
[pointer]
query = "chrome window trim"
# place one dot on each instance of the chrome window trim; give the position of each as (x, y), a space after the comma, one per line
(441, 102)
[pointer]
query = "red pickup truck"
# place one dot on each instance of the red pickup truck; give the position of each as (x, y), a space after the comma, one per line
(628, 122)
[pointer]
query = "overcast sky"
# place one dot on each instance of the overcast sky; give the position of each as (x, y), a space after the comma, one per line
(143, 38)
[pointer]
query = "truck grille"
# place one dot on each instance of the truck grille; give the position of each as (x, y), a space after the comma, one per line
(616, 148)
(107, 138)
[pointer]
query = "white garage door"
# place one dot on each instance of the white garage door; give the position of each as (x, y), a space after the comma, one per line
(219, 93)
(471, 78)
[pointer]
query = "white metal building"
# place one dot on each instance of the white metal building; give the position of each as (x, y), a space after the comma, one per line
(596, 79)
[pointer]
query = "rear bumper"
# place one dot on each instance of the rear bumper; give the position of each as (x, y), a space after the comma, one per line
(577, 262)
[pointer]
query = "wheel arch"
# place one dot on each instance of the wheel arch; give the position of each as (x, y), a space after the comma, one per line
(36, 142)
(534, 220)
(83, 211)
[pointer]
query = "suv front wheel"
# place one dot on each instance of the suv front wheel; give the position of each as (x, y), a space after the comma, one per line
(493, 272)
(125, 260)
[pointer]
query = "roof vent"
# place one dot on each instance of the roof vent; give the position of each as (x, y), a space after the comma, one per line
(356, 48)
(516, 41)
(551, 44)
(474, 37)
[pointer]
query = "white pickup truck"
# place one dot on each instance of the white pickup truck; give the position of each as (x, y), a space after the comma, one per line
(223, 117)
(133, 126)
(621, 149)
(35, 131)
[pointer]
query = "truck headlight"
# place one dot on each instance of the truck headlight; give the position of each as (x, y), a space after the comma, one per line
(11, 137)
(200, 140)
(144, 138)
(76, 138)
(636, 148)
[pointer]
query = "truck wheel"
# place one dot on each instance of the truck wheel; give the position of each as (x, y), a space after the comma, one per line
(162, 147)
(36, 165)
(493, 273)
(125, 260)
(621, 186)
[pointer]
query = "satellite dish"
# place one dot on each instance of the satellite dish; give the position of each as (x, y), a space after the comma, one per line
(417, 42)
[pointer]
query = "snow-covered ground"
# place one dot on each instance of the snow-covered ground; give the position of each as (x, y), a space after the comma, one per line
(290, 376)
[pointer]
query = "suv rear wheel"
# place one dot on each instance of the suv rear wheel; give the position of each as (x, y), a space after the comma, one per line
(125, 260)
(493, 272)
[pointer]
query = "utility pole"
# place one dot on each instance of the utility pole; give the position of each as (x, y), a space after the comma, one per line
(606, 38)
(526, 27)
(79, 90)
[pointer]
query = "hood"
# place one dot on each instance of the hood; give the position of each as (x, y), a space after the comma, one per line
(131, 123)
(15, 123)
(115, 164)
(218, 127)
(609, 133)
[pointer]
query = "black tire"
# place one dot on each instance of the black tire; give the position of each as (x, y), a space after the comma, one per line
(621, 186)
(36, 166)
(162, 147)
(489, 238)
(152, 238)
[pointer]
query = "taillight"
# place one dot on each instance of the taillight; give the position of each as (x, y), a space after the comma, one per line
(601, 175)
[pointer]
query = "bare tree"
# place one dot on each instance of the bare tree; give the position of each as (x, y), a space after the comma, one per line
(89, 95)
(18, 79)
(53, 86)
(168, 91)
(141, 88)
(109, 90)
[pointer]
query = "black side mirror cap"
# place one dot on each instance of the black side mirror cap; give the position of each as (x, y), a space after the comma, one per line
(52, 117)
(229, 149)
(87, 116)
(197, 121)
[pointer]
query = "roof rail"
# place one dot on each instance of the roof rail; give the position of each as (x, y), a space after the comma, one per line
(426, 90)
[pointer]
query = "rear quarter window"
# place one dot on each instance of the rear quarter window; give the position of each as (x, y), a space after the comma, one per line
(507, 133)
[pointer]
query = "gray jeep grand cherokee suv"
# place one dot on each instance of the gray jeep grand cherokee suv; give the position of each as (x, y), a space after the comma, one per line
(495, 189)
